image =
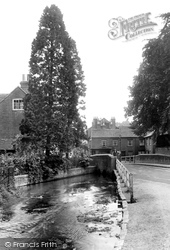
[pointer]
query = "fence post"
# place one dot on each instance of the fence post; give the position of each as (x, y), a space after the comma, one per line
(131, 187)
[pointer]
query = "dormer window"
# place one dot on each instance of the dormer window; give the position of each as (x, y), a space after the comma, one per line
(17, 104)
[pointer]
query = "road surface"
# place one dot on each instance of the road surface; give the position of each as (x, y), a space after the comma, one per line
(149, 217)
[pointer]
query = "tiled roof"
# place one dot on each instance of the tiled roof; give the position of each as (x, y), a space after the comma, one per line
(149, 134)
(2, 96)
(25, 90)
(121, 131)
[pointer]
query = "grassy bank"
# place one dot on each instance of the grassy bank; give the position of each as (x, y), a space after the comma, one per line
(7, 200)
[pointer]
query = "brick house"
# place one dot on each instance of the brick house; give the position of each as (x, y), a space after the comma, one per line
(105, 137)
(11, 114)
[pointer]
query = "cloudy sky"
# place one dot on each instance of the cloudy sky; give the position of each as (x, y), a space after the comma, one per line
(108, 65)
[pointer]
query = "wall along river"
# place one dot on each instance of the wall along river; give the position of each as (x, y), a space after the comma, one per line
(80, 213)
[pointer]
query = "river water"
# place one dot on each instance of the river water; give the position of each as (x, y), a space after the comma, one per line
(75, 213)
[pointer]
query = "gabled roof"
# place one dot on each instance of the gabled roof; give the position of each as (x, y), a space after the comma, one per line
(149, 134)
(2, 96)
(6, 95)
(104, 120)
(104, 133)
(24, 89)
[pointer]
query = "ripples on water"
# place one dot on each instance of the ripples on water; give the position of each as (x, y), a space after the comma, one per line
(72, 212)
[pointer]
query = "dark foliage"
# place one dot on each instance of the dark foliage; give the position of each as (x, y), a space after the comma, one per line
(163, 141)
(56, 88)
(150, 93)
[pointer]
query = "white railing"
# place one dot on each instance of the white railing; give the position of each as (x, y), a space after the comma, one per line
(129, 158)
(126, 176)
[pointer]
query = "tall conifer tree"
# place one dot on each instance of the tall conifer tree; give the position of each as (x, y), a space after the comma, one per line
(56, 87)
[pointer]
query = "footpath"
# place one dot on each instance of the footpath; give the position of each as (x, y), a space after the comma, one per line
(149, 217)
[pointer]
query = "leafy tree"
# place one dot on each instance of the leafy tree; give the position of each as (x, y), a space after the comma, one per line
(56, 87)
(150, 93)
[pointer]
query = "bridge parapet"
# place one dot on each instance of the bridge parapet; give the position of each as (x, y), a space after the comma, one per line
(126, 177)
(147, 158)
(110, 164)
(128, 158)
(104, 162)
(153, 158)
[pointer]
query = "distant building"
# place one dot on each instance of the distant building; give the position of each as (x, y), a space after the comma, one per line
(149, 143)
(105, 137)
(11, 114)
(157, 144)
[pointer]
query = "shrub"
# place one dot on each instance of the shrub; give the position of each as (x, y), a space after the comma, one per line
(54, 162)
(6, 160)
(6, 201)
(80, 158)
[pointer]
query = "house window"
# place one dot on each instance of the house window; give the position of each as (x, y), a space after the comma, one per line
(17, 104)
(104, 143)
(130, 153)
(130, 142)
(115, 142)
(141, 142)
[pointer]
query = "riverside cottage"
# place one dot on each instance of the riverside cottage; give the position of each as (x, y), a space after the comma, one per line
(11, 114)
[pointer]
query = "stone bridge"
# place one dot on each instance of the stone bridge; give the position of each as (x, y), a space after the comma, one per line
(104, 162)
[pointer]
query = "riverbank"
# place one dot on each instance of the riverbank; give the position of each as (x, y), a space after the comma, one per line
(23, 180)
(78, 213)
(7, 200)
(16, 193)
(104, 221)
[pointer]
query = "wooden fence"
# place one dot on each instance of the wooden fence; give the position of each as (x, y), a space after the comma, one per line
(126, 176)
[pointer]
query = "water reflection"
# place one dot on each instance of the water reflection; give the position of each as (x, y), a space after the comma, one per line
(69, 211)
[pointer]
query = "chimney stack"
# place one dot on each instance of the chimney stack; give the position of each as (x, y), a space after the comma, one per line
(24, 82)
(113, 123)
(94, 123)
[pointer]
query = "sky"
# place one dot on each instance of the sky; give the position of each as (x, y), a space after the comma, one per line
(109, 65)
